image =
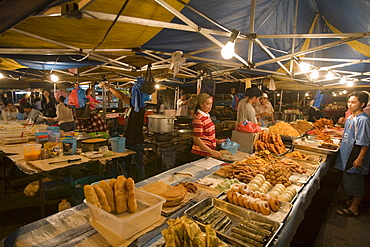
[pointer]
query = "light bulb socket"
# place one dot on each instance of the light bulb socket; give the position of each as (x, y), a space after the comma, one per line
(234, 35)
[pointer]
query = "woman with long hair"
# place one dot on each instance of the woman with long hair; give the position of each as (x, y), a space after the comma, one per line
(204, 131)
(48, 105)
(93, 102)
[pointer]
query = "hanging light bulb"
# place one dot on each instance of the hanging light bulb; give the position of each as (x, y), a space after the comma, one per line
(329, 75)
(54, 78)
(157, 86)
(334, 94)
(315, 74)
(228, 51)
(306, 94)
(1, 76)
(278, 95)
(343, 80)
(340, 93)
(344, 92)
(304, 67)
(349, 83)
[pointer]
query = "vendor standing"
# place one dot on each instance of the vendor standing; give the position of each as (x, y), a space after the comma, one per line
(204, 132)
(264, 111)
(134, 124)
(183, 106)
(354, 154)
(64, 116)
(314, 113)
(48, 105)
(245, 108)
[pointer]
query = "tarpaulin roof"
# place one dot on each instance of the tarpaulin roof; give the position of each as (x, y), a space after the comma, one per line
(275, 35)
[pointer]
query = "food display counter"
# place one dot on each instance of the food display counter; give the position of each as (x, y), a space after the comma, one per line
(74, 227)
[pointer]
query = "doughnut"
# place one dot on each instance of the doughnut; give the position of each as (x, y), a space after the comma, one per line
(256, 182)
(284, 198)
(264, 207)
(274, 204)
(253, 186)
(251, 203)
(260, 176)
(273, 194)
(246, 201)
(257, 194)
(256, 205)
(240, 200)
(289, 193)
(235, 198)
(258, 179)
(243, 189)
(230, 196)
(268, 184)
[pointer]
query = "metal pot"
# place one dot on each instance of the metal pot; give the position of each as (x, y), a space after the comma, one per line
(161, 123)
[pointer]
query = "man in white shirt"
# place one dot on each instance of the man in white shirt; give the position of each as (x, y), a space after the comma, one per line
(183, 106)
(245, 108)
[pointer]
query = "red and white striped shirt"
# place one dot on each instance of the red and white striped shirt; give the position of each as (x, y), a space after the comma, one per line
(204, 128)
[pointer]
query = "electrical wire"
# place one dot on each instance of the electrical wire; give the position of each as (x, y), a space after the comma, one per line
(105, 36)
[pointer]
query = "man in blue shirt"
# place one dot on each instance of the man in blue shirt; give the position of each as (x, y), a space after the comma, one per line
(354, 153)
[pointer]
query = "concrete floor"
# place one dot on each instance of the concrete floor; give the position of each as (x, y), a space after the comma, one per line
(320, 227)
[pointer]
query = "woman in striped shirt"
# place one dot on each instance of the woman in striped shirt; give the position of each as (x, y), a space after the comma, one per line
(204, 132)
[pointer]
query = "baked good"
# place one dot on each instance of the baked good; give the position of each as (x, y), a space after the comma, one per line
(109, 194)
(120, 194)
(131, 200)
(102, 198)
(91, 196)
(111, 182)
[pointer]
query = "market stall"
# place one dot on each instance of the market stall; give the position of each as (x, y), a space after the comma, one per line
(84, 232)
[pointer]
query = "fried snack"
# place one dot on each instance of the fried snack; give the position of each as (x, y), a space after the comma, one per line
(131, 200)
(298, 155)
(282, 128)
(109, 194)
(102, 198)
(111, 182)
(91, 196)
(120, 194)
(269, 142)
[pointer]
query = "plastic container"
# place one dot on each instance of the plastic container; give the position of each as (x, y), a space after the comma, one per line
(69, 145)
(118, 144)
(13, 140)
(53, 133)
(128, 224)
(32, 151)
(64, 205)
(77, 188)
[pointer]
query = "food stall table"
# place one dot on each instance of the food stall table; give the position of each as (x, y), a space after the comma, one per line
(73, 234)
(41, 167)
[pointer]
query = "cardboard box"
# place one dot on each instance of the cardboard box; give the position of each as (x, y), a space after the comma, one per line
(246, 140)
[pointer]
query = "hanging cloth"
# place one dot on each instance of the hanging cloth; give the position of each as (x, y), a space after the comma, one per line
(271, 85)
(177, 60)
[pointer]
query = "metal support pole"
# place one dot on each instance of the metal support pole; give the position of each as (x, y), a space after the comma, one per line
(297, 100)
(104, 93)
(251, 30)
(294, 31)
(281, 99)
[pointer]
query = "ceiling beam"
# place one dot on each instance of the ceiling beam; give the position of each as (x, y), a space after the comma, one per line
(310, 50)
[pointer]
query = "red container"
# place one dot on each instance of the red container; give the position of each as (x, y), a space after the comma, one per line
(121, 120)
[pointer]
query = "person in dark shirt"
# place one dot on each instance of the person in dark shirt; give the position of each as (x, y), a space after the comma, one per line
(314, 113)
(134, 129)
(48, 104)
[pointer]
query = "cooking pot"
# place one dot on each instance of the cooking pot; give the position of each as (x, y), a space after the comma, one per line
(161, 123)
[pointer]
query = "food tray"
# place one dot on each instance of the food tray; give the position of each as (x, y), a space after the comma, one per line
(213, 180)
(314, 158)
(309, 167)
(13, 140)
(127, 224)
(236, 214)
(299, 178)
(316, 149)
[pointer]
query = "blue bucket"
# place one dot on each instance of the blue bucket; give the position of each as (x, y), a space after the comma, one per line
(69, 145)
(118, 144)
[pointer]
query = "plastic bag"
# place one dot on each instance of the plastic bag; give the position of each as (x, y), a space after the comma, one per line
(230, 146)
(248, 127)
